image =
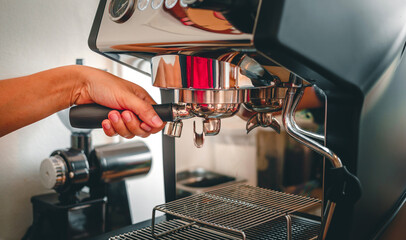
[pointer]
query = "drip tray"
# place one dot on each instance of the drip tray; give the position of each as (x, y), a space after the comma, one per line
(302, 229)
(237, 209)
(201, 180)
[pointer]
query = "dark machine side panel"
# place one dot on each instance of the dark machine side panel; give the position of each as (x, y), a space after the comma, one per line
(348, 47)
(345, 41)
(382, 153)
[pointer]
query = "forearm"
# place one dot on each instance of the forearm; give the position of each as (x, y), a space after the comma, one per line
(27, 99)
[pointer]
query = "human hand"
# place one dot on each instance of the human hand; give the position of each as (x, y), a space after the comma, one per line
(97, 86)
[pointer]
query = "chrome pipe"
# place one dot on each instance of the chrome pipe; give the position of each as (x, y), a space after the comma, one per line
(294, 124)
(287, 120)
(288, 227)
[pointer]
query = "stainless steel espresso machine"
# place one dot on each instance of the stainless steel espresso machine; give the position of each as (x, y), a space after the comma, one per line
(215, 58)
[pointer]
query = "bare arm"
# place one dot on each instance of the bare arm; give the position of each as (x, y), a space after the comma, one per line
(27, 99)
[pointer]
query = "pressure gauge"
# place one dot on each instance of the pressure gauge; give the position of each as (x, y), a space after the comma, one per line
(170, 3)
(121, 10)
(142, 4)
(155, 4)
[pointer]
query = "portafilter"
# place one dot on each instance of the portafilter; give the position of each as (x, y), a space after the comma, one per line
(210, 88)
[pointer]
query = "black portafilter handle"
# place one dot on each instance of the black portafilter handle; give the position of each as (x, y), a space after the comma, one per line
(92, 115)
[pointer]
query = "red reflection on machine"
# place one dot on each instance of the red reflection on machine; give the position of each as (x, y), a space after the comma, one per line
(199, 72)
(207, 20)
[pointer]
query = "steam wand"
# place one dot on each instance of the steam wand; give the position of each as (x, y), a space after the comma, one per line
(345, 187)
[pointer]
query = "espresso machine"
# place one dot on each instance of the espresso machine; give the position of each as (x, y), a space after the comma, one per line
(213, 59)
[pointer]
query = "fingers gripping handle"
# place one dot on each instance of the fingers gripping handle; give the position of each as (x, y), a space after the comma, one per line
(92, 115)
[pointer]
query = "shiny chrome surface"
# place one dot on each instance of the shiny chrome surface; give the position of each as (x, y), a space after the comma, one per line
(288, 227)
(198, 138)
(211, 126)
(227, 71)
(301, 229)
(181, 111)
(173, 129)
(288, 120)
(237, 208)
(312, 144)
(265, 99)
(214, 110)
(263, 120)
(212, 113)
(161, 29)
(211, 96)
(122, 160)
(296, 127)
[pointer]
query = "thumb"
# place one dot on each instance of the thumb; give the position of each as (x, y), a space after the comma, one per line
(144, 111)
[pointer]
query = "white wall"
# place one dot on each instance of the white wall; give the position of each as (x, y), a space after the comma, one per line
(36, 35)
(232, 152)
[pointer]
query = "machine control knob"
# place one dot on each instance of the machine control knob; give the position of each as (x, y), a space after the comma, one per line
(53, 172)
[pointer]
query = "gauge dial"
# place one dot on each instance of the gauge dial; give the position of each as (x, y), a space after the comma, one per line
(170, 3)
(121, 10)
(142, 4)
(156, 3)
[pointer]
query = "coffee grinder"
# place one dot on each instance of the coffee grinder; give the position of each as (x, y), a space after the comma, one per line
(90, 194)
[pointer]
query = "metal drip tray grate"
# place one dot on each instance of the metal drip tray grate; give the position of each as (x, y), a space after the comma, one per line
(236, 209)
(301, 229)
